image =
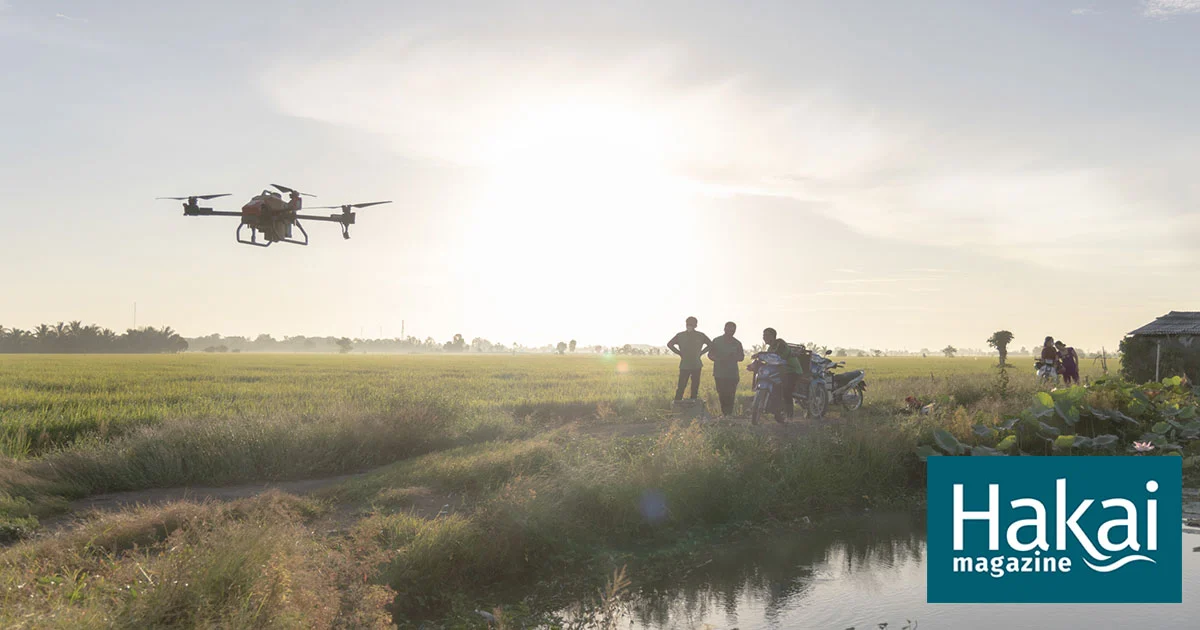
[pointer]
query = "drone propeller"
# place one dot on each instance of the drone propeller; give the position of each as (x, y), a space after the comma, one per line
(291, 190)
(205, 197)
(346, 207)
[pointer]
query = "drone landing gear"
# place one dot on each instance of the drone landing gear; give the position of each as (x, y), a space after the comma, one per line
(254, 237)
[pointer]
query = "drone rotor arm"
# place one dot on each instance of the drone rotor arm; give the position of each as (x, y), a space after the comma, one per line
(204, 197)
(345, 207)
(209, 212)
(292, 190)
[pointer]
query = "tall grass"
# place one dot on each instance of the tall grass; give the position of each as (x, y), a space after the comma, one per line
(249, 564)
(555, 504)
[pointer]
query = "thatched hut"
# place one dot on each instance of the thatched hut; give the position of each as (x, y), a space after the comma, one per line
(1167, 346)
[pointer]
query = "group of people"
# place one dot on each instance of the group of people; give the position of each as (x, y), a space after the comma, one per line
(1063, 358)
(725, 352)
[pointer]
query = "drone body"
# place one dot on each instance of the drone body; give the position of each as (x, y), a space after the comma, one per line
(270, 218)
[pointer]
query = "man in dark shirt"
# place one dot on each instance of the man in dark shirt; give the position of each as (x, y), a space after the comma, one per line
(792, 374)
(690, 345)
(726, 352)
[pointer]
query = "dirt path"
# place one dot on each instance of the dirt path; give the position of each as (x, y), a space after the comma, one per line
(424, 501)
(156, 496)
(789, 429)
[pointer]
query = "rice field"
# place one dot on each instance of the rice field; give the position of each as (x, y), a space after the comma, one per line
(51, 401)
(548, 489)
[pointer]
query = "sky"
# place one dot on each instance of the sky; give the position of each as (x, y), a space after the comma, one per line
(865, 174)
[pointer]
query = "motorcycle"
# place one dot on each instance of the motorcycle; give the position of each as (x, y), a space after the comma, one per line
(1047, 372)
(769, 370)
(847, 388)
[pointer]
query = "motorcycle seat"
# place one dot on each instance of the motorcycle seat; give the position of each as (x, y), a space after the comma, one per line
(845, 377)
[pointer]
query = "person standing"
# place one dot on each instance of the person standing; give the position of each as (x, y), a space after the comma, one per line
(792, 375)
(1050, 357)
(690, 345)
(726, 352)
(1050, 352)
(1070, 362)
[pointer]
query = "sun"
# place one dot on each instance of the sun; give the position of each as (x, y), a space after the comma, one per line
(577, 195)
(585, 174)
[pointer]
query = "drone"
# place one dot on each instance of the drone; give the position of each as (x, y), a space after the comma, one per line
(270, 218)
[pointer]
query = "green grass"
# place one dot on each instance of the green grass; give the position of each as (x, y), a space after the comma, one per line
(51, 401)
(56, 399)
(544, 508)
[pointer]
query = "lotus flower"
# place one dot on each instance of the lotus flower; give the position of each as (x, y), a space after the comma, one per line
(1143, 447)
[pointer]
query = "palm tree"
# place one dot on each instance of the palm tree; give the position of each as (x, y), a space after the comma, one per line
(107, 339)
(76, 337)
(18, 339)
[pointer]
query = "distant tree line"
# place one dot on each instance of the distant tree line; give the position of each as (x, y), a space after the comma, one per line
(77, 338)
(396, 345)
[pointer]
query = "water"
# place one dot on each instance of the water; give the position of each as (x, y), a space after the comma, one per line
(860, 573)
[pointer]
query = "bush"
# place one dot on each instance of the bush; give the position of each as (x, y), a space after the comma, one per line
(1178, 358)
(1110, 416)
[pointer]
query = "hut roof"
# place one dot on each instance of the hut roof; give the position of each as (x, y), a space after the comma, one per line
(1173, 323)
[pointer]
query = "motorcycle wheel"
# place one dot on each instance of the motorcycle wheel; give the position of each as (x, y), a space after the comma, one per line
(818, 400)
(759, 406)
(853, 400)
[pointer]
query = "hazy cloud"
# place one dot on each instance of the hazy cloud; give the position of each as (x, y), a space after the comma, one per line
(473, 102)
(1169, 8)
(484, 103)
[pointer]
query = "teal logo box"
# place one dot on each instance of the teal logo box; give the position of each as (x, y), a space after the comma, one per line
(1055, 530)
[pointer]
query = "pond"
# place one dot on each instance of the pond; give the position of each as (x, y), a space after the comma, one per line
(859, 573)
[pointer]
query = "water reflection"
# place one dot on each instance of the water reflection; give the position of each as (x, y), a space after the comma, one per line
(774, 576)
(859, 573)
